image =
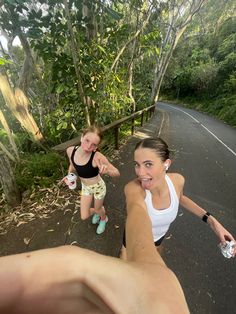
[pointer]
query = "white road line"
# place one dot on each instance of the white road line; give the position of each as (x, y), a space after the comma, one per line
(219, 140)
(234, 153)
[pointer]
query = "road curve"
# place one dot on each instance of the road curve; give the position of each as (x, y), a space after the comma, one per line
(204, 151)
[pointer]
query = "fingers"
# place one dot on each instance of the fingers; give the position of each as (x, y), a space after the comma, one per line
(63, 180)
(99, 163)
(103, 168)
(228, 237)
(234, 251)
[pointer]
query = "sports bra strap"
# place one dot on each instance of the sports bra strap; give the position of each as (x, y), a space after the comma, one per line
(73, 153)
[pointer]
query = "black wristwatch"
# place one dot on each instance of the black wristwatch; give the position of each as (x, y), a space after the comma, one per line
(205, 216)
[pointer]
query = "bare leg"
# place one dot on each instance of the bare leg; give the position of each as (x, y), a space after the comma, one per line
(99, 208)
(85, 205)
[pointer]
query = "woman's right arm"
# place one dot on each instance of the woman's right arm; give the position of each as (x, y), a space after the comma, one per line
(138, 245)
(71, 167)
(69, 151)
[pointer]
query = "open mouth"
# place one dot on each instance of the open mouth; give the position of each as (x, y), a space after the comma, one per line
(145, 182)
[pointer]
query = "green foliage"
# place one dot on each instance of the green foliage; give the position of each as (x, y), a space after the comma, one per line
(3, 136)
(202, 72)
(230, 84)
(39, 169)
(228, 111)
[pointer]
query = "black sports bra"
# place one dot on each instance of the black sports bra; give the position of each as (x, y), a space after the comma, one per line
(87, 170)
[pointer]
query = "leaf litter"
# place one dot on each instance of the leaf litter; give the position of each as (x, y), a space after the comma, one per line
(39, 204)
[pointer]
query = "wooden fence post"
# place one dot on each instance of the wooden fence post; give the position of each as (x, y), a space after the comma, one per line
(132, 126)
(116, 131)
(142, 119)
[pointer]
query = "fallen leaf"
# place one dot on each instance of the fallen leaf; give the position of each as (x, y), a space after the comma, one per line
(21, 223)
(74, 242)
(27, 241)
(167, 238)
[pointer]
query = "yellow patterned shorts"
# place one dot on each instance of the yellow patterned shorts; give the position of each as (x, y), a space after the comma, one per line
(98, 190)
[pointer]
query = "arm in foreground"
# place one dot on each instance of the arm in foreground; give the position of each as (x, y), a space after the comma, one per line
(142, 252)
(66, 280)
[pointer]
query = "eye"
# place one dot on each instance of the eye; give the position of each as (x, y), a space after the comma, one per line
(148, 164)
(136, 165)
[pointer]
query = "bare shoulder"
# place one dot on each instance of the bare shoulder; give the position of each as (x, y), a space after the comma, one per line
(177, 179)
(134, 187)
(99, 158)
(99, 155)
(69, 150)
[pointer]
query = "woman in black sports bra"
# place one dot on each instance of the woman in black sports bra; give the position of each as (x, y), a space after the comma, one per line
(89, 164)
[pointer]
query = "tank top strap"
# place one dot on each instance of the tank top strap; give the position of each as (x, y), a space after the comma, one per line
(148, 197)
(172, 190)
(91, 158)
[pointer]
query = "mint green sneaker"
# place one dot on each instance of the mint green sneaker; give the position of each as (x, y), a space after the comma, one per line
(102, 226)
(95, 219)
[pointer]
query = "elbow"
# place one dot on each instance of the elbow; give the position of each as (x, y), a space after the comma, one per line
(114, 173)
(117, 173)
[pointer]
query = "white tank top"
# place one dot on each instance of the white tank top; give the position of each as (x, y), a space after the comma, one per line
(161, 219)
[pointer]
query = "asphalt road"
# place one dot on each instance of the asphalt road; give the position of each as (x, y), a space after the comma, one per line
(204, 151)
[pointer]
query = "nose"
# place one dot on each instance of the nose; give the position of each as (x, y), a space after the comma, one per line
(140, 171)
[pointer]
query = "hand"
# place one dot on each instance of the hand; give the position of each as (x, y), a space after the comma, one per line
(223, 234)
(64, 280)
(102, 163)
(103, 169)
(64, 180)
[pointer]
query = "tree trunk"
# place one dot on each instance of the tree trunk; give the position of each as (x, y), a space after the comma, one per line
(18, 104)
(7, 180)
(91, 25)
(130, 79)
(76, 63)
(175, 31)
(9, 134)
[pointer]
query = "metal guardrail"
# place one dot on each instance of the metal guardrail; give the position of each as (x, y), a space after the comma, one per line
(115, 126)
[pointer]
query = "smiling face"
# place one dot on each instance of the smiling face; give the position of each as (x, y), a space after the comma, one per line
(149, 167)
(90, 142)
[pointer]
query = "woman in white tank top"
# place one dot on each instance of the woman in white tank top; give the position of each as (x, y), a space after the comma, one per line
(160, 193)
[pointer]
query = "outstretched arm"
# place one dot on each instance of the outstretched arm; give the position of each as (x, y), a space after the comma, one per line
(222, 233)
(66, 280)
(73, 280)
(138, 247)
(105, 167)
(71, 167)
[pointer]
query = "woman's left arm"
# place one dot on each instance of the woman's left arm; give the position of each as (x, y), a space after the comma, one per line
(216, 226)
(105, 167)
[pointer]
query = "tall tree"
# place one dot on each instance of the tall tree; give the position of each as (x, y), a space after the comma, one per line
(18, 103)
(7, 180)
(76, 60)
(179, 15)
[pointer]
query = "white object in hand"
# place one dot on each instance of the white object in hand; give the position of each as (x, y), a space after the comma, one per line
(71, 177)
(227, 249)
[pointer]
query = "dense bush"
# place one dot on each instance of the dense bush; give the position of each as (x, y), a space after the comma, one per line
(40, 169)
